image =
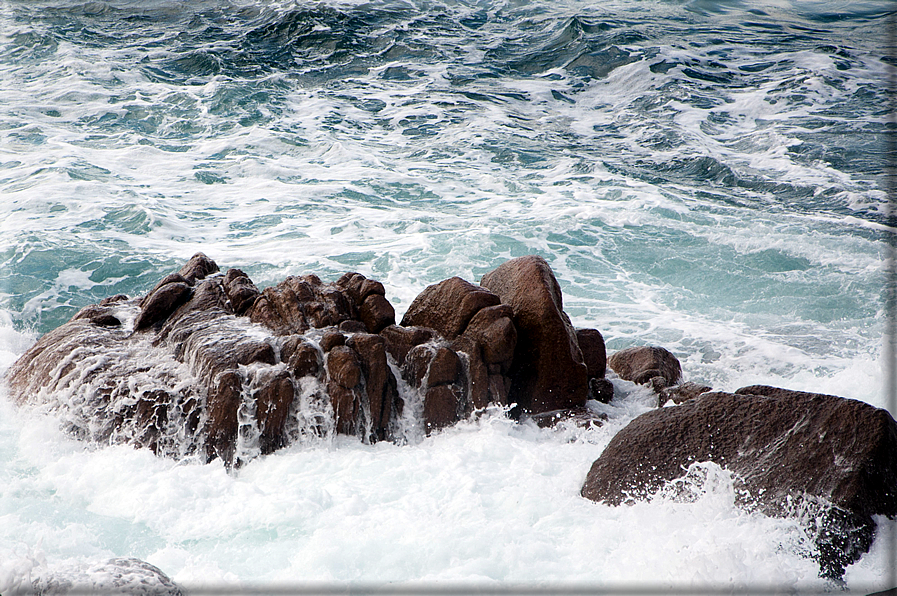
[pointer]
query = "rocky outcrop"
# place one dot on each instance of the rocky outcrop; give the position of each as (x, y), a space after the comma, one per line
(206, 364)
(548, 371)
(788, 449)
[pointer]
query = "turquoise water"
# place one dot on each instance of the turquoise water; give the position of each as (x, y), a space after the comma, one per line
(705, 176)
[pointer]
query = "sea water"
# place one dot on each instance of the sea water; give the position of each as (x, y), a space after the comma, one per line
(705, 176)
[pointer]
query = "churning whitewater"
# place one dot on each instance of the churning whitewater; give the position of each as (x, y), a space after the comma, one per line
(704, 176)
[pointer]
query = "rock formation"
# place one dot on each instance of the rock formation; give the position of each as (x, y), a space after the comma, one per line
(205, 364)
(788, 449)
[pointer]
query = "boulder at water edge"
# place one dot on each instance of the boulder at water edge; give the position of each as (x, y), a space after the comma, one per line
(789, 451)
(647, 365)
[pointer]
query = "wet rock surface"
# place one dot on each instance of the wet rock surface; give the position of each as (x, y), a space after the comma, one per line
(113, 576)
(788, 449)
(207, 365)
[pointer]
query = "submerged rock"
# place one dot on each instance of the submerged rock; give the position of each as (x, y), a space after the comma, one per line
(788, 450)
(114, 576)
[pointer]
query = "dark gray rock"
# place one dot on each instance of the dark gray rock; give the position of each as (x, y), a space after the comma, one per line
(785, 447)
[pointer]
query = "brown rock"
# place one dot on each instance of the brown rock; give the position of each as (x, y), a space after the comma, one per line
(150, 416)
(448, 306)
(441, 407)
(359, 288)
(331, 308)
(273, 403)
(198, 267)
(161, 303)
(480, 393)
(279, 309)
(351, 284)
(493, 329)
(331, 339)
(400, 340)
(168, 279)
(445, 367)
(345, 408)
(785, 449)
(301, 356)
(594, 353)
(641, 364)
(548, 372)
(380, 385)
(416, 365)
(343, 366)
(99, 314)
(351, 326)
(376, 313)
(189, 321)
(222, 424)
(240, 290)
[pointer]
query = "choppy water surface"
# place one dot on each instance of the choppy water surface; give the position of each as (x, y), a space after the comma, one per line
(706, 176)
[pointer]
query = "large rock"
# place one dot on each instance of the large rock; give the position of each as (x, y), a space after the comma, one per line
(548, 371)
(788, 449)
(448, 306)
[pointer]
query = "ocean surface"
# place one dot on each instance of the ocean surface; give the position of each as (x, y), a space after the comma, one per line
(707, 176)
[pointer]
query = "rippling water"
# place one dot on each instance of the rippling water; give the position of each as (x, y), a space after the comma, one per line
(706, 176)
